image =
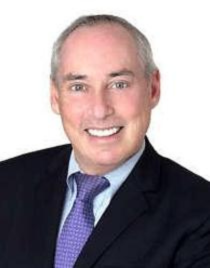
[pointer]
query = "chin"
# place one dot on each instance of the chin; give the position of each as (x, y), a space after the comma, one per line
(110, 162)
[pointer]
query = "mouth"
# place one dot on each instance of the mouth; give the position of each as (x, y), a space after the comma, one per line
(106, 132)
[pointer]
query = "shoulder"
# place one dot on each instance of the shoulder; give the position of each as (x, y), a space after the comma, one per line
(184, 191)
(31, 161)
(178, 187)
(171, 173)
(181, 177)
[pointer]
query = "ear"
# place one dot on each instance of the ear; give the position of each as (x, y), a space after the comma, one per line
(155, 88)
(54, 98)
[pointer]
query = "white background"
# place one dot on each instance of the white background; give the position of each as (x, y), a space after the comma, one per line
(179, 32)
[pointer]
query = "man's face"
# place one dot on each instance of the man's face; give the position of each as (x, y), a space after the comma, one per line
(104, 99)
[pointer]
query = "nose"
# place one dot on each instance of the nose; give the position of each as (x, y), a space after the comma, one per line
(101, 105)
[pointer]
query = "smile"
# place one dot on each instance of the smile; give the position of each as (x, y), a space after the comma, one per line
(103, 132)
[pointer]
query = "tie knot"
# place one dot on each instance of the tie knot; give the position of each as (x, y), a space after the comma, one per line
(89, 186)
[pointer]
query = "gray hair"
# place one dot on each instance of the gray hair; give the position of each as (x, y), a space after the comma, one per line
(145, 51)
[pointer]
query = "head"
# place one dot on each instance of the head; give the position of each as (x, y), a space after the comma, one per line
(104, 84)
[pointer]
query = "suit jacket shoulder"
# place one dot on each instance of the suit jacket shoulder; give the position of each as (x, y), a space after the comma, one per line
(186, 187)
(31, 161)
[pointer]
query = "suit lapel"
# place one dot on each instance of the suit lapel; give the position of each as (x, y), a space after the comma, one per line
(128, 204)
(49, 201)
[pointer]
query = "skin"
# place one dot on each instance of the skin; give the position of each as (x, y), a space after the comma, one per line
(102, 85)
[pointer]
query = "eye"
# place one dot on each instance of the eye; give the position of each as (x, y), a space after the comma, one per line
(77, 87)
(120, 85)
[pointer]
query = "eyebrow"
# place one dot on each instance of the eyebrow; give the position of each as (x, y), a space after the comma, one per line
(121, 72)
(72, 77)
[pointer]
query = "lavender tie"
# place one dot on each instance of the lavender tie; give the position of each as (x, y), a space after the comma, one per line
(80, 221)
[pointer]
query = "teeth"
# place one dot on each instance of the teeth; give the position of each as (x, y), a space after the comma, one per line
(103, 132)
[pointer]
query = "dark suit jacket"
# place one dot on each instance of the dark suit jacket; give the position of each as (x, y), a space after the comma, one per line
(159, 218)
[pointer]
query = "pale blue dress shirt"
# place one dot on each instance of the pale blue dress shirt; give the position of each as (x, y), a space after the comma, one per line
(102, 200)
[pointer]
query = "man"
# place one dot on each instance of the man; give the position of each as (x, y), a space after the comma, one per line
(152, 213)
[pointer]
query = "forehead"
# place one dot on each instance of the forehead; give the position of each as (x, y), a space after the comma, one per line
(100, 33)
(102, 44)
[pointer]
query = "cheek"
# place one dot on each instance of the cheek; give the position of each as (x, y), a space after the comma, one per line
(71, 114)
(137, 115)
(135, 106)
